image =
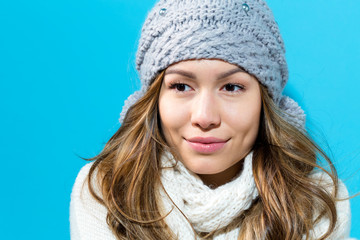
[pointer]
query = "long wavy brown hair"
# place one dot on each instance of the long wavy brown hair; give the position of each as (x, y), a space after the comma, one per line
(290, 201)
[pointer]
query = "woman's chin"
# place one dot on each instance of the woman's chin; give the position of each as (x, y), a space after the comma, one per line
(204, 168)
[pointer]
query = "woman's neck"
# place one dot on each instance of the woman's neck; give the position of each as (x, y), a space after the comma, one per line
(218, 179)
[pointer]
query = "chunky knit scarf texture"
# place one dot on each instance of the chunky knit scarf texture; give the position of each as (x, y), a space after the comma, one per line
(206, 209)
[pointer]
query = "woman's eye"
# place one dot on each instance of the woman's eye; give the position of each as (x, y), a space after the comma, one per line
(233, 87)
(181, 87)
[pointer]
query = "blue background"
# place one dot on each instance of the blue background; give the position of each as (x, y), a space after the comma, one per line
(67, 66)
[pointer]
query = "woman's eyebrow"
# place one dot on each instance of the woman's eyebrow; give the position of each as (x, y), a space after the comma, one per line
(180, 72)
(231, 72)
(193, 76)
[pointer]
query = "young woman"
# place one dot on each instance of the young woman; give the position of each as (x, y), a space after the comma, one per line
(209, 147)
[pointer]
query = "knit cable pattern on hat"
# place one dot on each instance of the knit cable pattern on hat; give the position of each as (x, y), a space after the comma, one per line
(194, 29)
(213, 29)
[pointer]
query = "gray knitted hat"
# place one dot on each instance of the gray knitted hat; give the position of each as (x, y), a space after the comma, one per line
(239, 32)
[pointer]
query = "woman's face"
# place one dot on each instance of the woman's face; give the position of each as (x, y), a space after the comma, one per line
(210, 114)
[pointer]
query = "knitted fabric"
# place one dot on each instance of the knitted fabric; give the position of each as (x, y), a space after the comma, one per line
(206, 209)
(88, 217)
(244, 34)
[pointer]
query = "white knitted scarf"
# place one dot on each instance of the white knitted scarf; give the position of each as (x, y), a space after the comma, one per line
(205, 208)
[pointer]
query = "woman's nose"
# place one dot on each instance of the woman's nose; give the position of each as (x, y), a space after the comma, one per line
(205, 113)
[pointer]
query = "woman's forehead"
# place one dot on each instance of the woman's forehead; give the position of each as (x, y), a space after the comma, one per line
(203, 62)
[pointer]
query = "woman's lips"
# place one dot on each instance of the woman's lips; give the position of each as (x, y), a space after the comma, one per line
(206, 145)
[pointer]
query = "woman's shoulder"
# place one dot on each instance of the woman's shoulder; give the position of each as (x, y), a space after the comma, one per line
(342, 228)
(80, 191)
(324, 180)
(81, 179)
(87, 215)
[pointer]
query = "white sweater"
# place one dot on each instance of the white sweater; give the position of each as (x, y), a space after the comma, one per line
(88, 217)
